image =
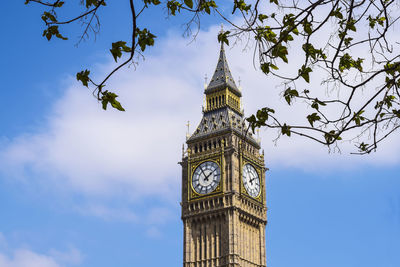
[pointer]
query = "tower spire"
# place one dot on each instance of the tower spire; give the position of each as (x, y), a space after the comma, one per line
(222, 76)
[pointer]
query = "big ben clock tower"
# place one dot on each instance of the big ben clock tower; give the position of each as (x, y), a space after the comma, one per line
(223, 183)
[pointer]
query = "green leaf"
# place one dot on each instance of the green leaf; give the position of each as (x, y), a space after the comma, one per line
(347, 41)
(241, 5)
(90, 3)
(252, 121)
(265, 67)
(363, 147)
(207, 5)
(173, 6)
(396, 113)
(265, 33)
(280, 51)
(358, 118)
(53, 30)
(316, 104)
(189, 3)
(336, 13)
(223, 37)
(289, 94)
(260, 118)
(347, 62)
(145, 38)
(373, 21)
(286, 130)
(351, 25)
(331, 136)
(312, 52)
(307, 27)
(262, 17)
(118, 48)
(388, 100)
(59, 4)
(305, 73)
(312, 118)
(48, 16)
(109, 97)
(83, 76)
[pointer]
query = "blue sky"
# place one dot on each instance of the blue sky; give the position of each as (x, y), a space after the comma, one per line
(83, 187)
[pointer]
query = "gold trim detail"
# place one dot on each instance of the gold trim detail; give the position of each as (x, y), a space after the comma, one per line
(192, 165)
(244, 160)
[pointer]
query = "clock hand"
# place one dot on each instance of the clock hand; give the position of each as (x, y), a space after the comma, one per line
(206, 178)
(201, 169)
(251, 180)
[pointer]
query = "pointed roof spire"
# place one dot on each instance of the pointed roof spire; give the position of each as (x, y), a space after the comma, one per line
(222, 76)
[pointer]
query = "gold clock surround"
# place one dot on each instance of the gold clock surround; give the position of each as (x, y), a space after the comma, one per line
(259, 170)
(193, 195)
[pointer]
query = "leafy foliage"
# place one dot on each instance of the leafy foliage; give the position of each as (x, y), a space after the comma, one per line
(350, 42)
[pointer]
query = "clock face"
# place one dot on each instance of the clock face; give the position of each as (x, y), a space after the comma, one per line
(206, 177)
(251, 180)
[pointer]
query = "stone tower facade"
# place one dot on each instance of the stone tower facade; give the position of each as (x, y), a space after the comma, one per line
(223, 183)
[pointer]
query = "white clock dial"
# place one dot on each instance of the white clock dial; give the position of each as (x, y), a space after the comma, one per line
(206, 177)
(251, 180)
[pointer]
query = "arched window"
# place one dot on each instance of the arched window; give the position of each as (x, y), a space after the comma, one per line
(215, 144)
(201, 148)
(219, 101)
(195, 149)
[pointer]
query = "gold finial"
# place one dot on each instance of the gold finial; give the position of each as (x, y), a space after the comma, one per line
(222, 28)
(205, 81)
(183, 150)
(187, 133)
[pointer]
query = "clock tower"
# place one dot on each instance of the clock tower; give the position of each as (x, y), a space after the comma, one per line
(223, 183)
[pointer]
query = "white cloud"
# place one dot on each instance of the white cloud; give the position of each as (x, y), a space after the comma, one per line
(23, 257)
(26, 258)
(70, 257)
(84, 149)
(3, 242)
